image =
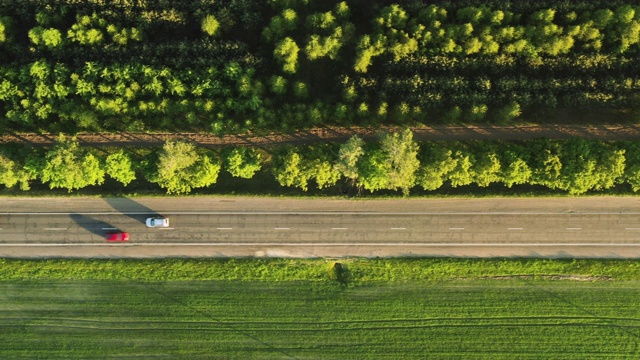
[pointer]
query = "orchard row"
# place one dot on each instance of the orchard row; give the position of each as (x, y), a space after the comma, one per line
(235, 65)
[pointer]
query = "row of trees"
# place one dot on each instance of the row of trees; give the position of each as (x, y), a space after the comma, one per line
(432, 30)
(178, 167)
(396, 162)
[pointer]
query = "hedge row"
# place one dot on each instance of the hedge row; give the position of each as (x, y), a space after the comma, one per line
(396, 162)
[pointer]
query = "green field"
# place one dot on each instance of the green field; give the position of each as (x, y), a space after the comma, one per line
(416, 315)
(201, 319)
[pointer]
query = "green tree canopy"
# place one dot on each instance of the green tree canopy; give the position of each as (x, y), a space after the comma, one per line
(242, 162)
(181, 168)
(437, 163)
(401, 152)
(119, 167)
(71, 167)
(348, 156)
(291, 170)
(210, 25)
(286, 52)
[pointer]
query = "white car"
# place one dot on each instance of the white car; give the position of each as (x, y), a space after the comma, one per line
(157, 222)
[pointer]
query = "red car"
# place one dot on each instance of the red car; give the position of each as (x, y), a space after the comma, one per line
(118, 237)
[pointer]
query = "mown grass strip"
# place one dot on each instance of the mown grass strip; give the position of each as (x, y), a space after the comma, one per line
(356, 271)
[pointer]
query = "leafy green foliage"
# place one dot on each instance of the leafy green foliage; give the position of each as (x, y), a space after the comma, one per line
(290, 170)
(348, 157)
(436, 164)
(280, 25)
(575, 166)
(373, 170)
(121, 67)
(50, 38)
(119, 167)
(402, 156)
(517, 171)
(181, 168)
(286, 52)
(12, 173)
(71, 167)
(242, 162)
(210, 25)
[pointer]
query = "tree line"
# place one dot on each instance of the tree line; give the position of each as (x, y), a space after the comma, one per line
(396, 162)
(236, 65)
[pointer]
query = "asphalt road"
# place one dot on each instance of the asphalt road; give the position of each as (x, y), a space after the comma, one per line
(565, 227)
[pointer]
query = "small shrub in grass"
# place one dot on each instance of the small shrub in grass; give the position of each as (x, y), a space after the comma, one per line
(338, 272)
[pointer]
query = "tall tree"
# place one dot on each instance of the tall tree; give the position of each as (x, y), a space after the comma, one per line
(181, 168)
(119, 167)
(401, 152)
(348, 156)
(71, 167)
(242, 162)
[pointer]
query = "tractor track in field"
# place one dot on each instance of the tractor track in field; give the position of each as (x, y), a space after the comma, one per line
(340, 134)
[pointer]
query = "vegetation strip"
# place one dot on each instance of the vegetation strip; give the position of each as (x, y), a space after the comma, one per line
(360, 271)
(397, 163)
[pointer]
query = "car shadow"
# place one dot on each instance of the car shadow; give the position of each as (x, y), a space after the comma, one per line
(97, 227)
(131, 208)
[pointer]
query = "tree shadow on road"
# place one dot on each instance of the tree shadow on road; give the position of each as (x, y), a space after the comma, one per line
(131, 208)
(96, 227)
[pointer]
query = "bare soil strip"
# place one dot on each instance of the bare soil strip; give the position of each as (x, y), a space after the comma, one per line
(341, 134)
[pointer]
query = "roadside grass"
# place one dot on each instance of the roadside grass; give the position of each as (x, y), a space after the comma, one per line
(361, 271)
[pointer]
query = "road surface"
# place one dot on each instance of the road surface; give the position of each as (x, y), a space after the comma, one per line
(542, 227)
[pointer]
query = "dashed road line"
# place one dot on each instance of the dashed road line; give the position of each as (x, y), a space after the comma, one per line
(55, 229)
(280, 228)
(514, 229)
(338, 228)
(574, 228)
(224, 228)
(456, 228)
(109, 228)
(398, 228)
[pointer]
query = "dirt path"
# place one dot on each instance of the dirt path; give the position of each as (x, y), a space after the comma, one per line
(338, 134)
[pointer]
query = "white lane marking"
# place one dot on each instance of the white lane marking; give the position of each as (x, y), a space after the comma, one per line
(55, 228)
(224, 228)
(163, 228)
(632, 228)
(574, 228)
(514, 228)
(337, 244)
(109, 228)
(280, 228)
(456, 228)
(338, 228)
(398, 228)
(323, 213)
